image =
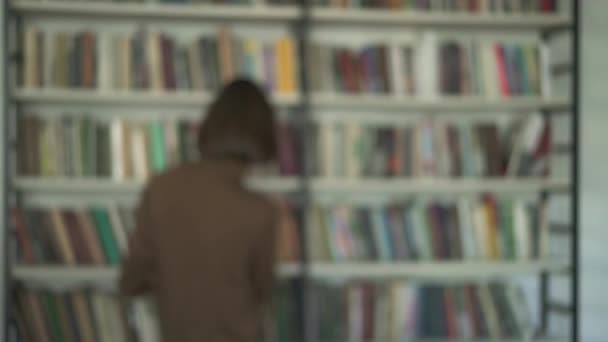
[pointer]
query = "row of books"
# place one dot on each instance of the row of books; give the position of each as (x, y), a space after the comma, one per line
(460, 6)
(394, 312)
(466, 6)
(350, 71)
(433, 148)
(78, 316)
(156, 61)
(491, 69)
(484, 229)
(78, 146)
(99, 235)
(91, 315)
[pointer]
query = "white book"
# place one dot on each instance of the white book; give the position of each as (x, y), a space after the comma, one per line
(480, 219)
(327, 148)
(171, 142)
(467, 229)
(118, 229)
(138, 151)
(352, 150)
(118, 329)
(489, 64)
(489, 311)
(117, 143)
(522, 230)
(100, 318)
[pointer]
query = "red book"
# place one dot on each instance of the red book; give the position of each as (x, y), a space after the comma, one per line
(436, 239)
(23, 237)
(77, 238)
(547, 6)
(450, 312)
(168, 62)
(369, 304)
(543, 149)
(473, 310)
(503, 79)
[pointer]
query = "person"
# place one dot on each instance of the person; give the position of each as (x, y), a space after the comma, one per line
(204, 245)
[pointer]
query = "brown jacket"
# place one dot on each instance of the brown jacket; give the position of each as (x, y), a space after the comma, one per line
(204, 247)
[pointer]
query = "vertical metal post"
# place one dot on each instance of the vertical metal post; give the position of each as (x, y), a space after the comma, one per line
(574, 171)
(4, 90)
(305, 124)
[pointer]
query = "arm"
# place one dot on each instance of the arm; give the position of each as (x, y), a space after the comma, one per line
(264, 260)
(139, 265)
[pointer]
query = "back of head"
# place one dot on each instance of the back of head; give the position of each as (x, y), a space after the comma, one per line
(239, 125)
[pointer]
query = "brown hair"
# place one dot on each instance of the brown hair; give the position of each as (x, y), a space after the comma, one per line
(239, 125)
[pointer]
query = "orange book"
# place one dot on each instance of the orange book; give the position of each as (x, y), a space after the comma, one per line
(34, 314)
(88, 60)
(92, 243)
(226, 55)
(288, 245)
(83, 316)
(492, 226)
(23, 236)
(61, 238)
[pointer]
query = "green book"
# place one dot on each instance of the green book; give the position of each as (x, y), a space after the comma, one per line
(101, 220)
(526, 84)
(89, 147)
(507, 230)
(381, 235)
(158, 154)
(50, 310)
(104, 162)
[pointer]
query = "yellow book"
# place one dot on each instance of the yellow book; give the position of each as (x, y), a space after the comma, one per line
(60, 235)
(290, 65)
(280, 66)
(492, 228)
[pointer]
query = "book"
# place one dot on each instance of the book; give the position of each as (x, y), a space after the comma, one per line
(399, 311)
(77, 146)
(488, 68)
(156, 61)
(487, 228)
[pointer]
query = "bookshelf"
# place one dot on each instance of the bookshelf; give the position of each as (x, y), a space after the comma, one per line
(307, 108)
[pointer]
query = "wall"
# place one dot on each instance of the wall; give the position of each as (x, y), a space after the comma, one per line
(594, 168)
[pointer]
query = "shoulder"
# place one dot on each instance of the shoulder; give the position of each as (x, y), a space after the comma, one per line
(173, 179)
